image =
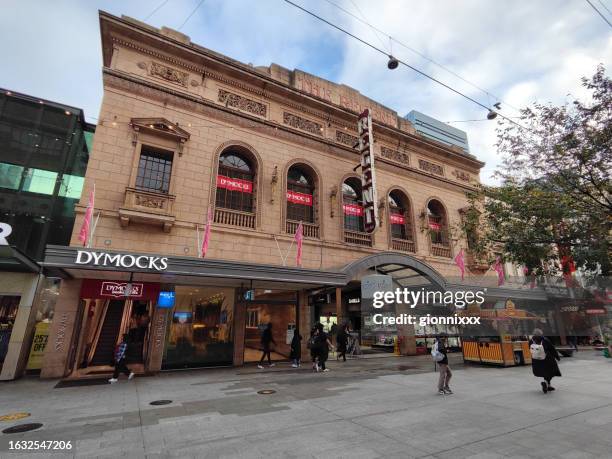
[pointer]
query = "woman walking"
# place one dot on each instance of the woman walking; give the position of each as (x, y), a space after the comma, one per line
(296, 349)
(544, 358)
(342, 341)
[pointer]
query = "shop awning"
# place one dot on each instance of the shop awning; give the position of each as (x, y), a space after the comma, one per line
(13, 260)
(77, 262)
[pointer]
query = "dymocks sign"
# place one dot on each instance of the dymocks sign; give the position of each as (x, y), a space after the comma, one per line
(368, 176)
(118, 260)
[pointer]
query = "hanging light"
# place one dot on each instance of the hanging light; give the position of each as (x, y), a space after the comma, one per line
(393, 63)
(491, 115)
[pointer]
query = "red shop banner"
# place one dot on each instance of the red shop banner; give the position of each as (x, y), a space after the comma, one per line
(353, 209)
(435, 225)
(397, 219)
(95, 289)
(299, 198)
(234, 184)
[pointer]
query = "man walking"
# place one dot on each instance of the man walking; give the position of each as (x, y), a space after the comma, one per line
(266, 340)
(441, 358)
(120, 366)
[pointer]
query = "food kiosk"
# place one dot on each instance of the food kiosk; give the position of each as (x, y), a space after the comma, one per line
(501, 339)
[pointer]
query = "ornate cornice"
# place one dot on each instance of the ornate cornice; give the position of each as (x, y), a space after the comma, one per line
(158, 55)
(163, 94)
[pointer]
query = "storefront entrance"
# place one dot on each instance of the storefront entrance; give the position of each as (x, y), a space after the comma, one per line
(264, 307)
(199, 331)
(109, 315)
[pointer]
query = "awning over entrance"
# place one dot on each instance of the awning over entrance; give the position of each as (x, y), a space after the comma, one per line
(13, 260)
(76, 262)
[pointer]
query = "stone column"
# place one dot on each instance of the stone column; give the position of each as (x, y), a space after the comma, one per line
(339, 313)
(61, 331)
(239, 327)
(19, 344)
(157, 340)
(305, 321)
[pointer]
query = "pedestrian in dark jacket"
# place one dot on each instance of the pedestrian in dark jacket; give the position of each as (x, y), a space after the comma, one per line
(296, 349)
(322, 344)
(266, 340)
(443, 368)
(546, 368)
(120, 366)
(342, 341)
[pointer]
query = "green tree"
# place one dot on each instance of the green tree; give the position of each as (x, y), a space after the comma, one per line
(555, 196)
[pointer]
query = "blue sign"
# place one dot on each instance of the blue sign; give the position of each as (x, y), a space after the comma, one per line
(165, 300)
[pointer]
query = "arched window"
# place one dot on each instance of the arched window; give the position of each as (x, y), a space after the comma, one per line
(352, 205)
(400, 222)
(235, 182)
(300, 195)
(437, 224)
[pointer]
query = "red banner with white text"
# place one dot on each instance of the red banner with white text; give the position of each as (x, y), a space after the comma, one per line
(397, 219)
(299, 198)
(234, 184)
(353, 209)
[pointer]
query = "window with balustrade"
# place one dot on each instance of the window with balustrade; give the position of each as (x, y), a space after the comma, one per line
(437, 224)
(352, 209)
(301, 200)
(235, 195)
(400, 222)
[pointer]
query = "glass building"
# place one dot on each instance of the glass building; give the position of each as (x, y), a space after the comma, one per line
(44, 149)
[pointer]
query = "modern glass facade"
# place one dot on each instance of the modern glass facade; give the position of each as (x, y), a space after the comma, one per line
(44, 150)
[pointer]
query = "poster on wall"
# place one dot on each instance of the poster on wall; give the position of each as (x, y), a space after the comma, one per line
(39, 343)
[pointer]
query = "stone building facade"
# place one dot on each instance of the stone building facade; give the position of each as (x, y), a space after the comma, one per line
(184, 130)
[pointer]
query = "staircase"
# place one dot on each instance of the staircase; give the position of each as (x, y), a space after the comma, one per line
(104, 354)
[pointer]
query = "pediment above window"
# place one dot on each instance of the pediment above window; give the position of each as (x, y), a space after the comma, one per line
(161, 127)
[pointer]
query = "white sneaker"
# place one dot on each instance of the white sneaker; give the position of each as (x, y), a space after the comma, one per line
(271, 365)
(441, 392)
(131, 376)
(113, 380)
(327, 369)
(294, 365)
(260, 367)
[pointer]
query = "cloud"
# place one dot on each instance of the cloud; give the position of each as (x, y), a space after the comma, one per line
(520, 51)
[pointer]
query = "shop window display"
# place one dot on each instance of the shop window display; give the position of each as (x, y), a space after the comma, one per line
(199, 331)
(8, 311)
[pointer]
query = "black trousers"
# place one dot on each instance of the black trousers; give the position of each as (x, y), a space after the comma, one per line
(266, 351)
(121, 367)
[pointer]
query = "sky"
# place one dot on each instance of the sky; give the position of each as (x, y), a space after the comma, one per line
(514, 51)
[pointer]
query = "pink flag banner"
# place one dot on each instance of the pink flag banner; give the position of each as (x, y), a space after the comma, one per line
(86, 226)
(206, 238)
(499, 269)
(460, 262)
(299, 236)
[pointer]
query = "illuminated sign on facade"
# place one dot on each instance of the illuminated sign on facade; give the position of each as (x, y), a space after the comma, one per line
(368, 176)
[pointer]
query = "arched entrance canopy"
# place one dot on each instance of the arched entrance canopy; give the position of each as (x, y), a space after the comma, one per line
(406, 271)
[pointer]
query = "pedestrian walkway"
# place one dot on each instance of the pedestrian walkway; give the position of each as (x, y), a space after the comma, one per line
(364, 408)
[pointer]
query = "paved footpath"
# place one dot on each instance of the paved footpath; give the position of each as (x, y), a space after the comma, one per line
(386, 407)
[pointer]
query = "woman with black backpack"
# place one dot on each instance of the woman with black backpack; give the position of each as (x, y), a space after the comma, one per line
(544, 358)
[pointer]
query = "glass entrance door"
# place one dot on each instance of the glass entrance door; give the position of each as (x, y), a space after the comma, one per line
(263, 307)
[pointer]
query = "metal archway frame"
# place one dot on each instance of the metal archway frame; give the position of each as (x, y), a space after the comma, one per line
(387, 258)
